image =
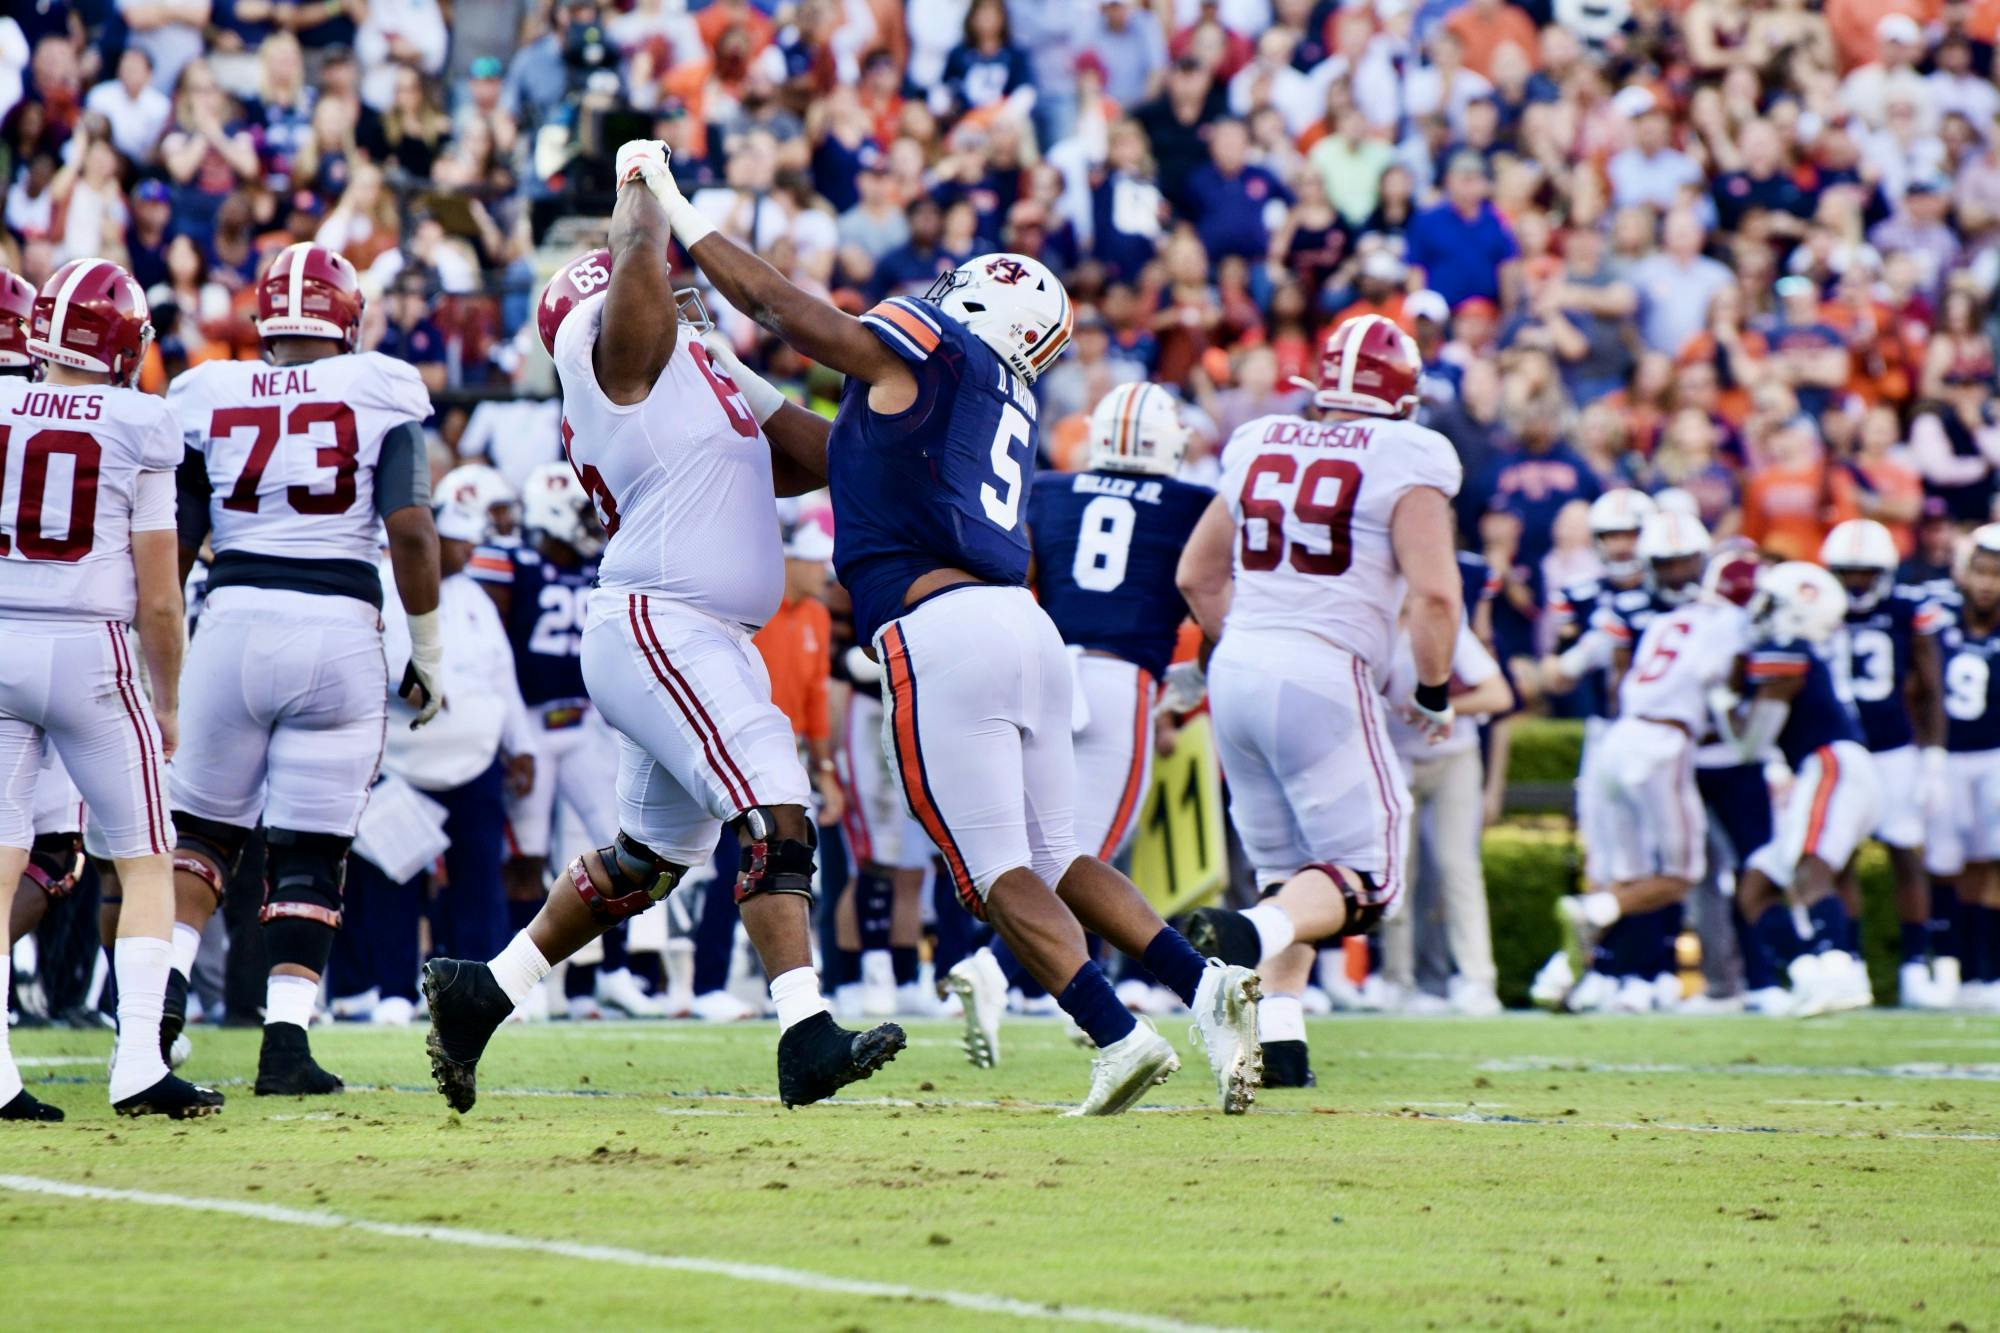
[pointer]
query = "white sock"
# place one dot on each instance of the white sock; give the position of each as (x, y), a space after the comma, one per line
(289, 1000)
(796, 993)
(187, 943)
(140, 963)
(1274, 928)
(1281, 1018)
(1600, 908)
(10, 1077)
(519, 967)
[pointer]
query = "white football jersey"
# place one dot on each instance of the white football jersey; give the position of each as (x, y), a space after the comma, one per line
(1312, 502)
(1678, 659)
(681, 480)
(292, 450)
(70, 463)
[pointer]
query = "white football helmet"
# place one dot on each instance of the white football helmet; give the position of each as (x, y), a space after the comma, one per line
(1668, 536)
(1138, 428)
(1800, 600)
(1865, 545)
(1013, 304)
(477, 488)
(1622, 510)
(554, 503)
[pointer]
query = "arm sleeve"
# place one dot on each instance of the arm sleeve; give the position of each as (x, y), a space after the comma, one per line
(153, 502)
(403, 474)
(192, 496)
(1437, 465)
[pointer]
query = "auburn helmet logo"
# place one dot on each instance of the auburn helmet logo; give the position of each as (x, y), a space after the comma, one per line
(1004, 269)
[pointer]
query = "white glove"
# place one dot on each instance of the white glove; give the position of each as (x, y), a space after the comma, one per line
(861, 668)
(764, 398)
(1185, 684)
(647, 160)
(420, 678)
(1433, 724)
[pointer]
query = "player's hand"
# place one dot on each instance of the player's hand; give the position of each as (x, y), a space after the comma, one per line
(520, 774)
(1432, 726)
(832, 801)
(763, 397)
(646, 160)
(1185, 685)
(170, 731)
(420, 693)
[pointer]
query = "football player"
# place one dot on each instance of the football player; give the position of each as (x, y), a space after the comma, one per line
(295, 464)
(542, 588)
(1964, 845)
(86, 558)
(1835, 797)
(1886, 666)
(1322, 528)
(683, 452)
(931, 458)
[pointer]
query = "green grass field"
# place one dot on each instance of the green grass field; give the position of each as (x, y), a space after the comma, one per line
(1525, 1172)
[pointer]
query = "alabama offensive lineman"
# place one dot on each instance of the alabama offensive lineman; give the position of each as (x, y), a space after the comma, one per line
(930, 461)
(676, 445)
(85, 557)
(1321, 529)
(295, 464)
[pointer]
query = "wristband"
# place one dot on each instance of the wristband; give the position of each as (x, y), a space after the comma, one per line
(1433, 698)
(689, 224)
(426, 643)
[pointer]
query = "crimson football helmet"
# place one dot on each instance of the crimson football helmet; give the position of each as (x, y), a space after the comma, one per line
(1369, 366)
(17, 310)
(310, 292)
(1734, 572)
(91, 315)
(586, 276)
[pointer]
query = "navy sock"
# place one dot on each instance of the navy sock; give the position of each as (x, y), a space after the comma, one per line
(904, 956)
(1779, 934)
(845, 967)
(1090, 1000)
(1916, 940)
(874, 899)
(1989, 944)
(1621, 947)
(1010, 967)
(1759, 972)
(954, 933)
(1944, 911)
(1969, 924)
(580, 979)
(615, 956)
(1173, 960)
(1829, 922)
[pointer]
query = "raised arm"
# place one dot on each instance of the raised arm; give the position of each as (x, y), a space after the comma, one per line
(641, 321)
(813, 327)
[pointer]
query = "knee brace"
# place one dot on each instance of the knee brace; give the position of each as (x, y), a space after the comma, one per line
(52, 862)
(1364, 912)
(771, 864)
(304, 876)
(650, 876)
(208, 849)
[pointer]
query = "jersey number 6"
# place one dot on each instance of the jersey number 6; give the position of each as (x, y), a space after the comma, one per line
(1310, 503)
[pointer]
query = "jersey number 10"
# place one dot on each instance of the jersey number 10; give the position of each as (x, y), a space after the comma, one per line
(37, 451)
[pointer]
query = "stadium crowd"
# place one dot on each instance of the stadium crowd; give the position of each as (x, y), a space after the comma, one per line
(1738, 255)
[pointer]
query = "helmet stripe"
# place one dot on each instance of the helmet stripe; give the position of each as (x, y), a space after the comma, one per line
(295, 291)
(1122, 440)
(1050, 349)
(83, 269)
(1356, 332)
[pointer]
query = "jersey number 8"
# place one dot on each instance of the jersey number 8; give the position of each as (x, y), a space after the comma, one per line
(1103, 544)
(1310, 504)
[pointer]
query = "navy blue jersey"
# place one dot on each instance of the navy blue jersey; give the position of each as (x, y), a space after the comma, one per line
(1873, 660)
(1477, 581)
(1595, 605)
(1819, 716)
(1107, 546)
(544, 618)
(938, 485)
(1971, 688)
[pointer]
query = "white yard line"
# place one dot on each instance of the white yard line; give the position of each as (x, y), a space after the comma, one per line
(767, 1274)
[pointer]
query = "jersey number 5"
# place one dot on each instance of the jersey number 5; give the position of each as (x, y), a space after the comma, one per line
(1003, 506)
(340, 453)
(1311, 503)
(37, 450)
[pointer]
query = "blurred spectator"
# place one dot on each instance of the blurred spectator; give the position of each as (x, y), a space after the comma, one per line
(206, 157)
(1676, 284)
(1651, 171)
(398, 35)
(1867, 91)
(89, 198)
(1955, 446)
(364, 223)
(1126, 36)
(168, 31)
(986, 68)
(281, 114)
(1797, 496)
(1461, 246)
(1484, 26)
(1236, 199)
(1804, 352)
(1350, 163)
(137, 111)
(146, 242)
(1919, 228)
(410, 335)
(1175, 123)
(1076, 383)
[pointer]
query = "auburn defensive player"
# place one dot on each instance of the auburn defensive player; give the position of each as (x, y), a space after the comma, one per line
(295, 463)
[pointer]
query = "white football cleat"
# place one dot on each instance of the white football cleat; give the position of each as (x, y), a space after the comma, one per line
(1124, 1070)
(1828, 983)
(719, 1006)
(1667, 994)
(397, 1012)
(1225, 1024)
(1379, 995)
(1553, 983)
(1316, 1002)
(620, 990)
(582, 1009)
(916, 1000)
(1593, 994)
(1579, 933)
(355, 1008)
(178, 1053)
(1771, 1001)
(878, 984)
(981, 988)
(1634, 996)
(1473, 1000)
(1945, 981)
(1420, 1003)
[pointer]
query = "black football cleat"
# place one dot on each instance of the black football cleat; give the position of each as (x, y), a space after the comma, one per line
(1286, 1065)
(24, 1107)
(819, 1057)
(467, 1007)
(286, 1068)
(173, 1017)
(1222, 933)
(173, 1097)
